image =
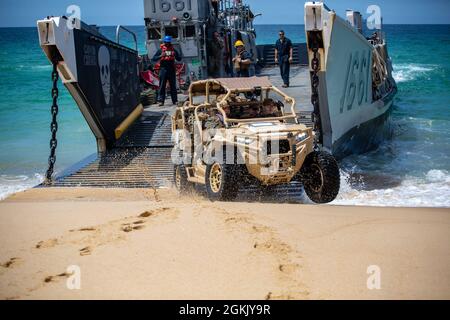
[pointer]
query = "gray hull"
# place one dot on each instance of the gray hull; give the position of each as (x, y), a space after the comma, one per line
(354, 111)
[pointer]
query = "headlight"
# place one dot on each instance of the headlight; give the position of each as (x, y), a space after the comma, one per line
(244, 140)
(301, 137)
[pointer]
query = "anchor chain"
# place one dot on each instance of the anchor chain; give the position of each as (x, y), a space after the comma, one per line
(53, 125)
(315, 65)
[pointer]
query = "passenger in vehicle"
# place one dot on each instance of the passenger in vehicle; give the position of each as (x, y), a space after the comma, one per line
(270, 109)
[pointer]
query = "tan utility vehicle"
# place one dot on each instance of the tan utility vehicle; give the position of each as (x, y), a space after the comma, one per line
(233, 131)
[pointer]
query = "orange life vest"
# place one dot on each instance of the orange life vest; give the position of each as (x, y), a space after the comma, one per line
(167, 53)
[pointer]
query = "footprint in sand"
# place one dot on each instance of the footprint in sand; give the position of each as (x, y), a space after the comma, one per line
(150, 213)
(289, 268)
(132, 227)
(85, 251)
(10, 263)
(139, 224)
(85, 229)
(47, 243)
(146, 214)
(94, 236)
(57, 277)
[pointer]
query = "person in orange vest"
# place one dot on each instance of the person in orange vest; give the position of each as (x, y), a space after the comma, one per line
(166, 56)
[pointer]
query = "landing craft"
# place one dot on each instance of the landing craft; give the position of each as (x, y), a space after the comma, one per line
(351, 81)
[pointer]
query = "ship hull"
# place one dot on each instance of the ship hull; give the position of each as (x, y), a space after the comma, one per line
(101, 75)
(365, 136)
(353, 118)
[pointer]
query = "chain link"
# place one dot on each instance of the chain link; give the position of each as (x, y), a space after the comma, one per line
(53, 125)
(315, 65)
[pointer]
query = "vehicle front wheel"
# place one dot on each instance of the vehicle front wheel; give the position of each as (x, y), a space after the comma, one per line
(180, 177)
(221, 182)
(320, 177)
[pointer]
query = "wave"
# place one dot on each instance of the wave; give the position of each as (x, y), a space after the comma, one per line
(411, 71)
(10, 184)
(430, 190)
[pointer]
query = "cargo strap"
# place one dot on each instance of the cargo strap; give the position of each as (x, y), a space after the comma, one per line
(53, 125)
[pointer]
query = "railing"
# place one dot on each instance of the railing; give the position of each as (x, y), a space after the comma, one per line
(236, 15)
(119, 27)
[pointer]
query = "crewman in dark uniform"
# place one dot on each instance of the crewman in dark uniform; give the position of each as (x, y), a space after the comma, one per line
(284, 57)
(242, 60)
(216, 51)
(167, 55)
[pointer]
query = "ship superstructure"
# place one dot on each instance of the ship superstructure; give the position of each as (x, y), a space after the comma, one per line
(191, 24)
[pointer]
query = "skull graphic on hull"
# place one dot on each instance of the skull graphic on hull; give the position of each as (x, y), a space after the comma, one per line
(104, 60)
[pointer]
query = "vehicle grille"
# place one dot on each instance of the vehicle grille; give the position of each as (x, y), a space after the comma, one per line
(283, 147)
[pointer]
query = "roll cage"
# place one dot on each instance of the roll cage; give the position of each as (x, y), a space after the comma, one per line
(259, 87)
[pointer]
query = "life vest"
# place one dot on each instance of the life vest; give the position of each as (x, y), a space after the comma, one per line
(167, 53)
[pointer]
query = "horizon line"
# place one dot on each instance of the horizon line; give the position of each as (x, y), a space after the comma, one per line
(258, 24)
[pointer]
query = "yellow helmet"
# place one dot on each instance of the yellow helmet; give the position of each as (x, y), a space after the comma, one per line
(239, 43)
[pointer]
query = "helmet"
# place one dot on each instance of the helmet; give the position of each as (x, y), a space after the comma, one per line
(239, 43)
(168, 39)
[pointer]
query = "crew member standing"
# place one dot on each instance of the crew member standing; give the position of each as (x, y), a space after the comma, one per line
(284, 57)
(242, 60)
(166, 56)
(216, 56)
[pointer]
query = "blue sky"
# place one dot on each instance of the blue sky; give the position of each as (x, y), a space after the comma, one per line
(14, 13)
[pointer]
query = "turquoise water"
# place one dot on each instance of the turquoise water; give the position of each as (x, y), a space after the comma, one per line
(411, 169)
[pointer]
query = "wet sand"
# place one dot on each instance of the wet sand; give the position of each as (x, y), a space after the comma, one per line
(144, 244)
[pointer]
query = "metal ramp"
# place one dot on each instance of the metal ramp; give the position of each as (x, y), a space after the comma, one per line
(153, 129)
(124, 168)
(305, 117)
(140, 159)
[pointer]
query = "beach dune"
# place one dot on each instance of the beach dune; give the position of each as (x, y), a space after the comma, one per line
(144, 244)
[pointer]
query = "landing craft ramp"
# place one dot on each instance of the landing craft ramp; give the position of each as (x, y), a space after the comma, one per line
(142, 157)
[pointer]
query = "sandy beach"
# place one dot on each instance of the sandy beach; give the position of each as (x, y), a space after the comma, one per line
(144, 244)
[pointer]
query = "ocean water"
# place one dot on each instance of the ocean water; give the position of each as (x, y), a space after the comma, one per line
(411, 169)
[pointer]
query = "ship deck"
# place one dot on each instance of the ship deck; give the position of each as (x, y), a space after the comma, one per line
(142, 157)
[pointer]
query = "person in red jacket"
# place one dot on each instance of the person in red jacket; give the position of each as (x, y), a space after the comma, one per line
(166, 56)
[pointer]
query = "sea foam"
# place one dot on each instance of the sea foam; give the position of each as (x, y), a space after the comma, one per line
(410, 71)
(10, 184)
(431, 190)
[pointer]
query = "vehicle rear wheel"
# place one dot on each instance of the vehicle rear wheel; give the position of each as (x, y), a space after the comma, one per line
(221, 182)
(320, 177)
(180, 177)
